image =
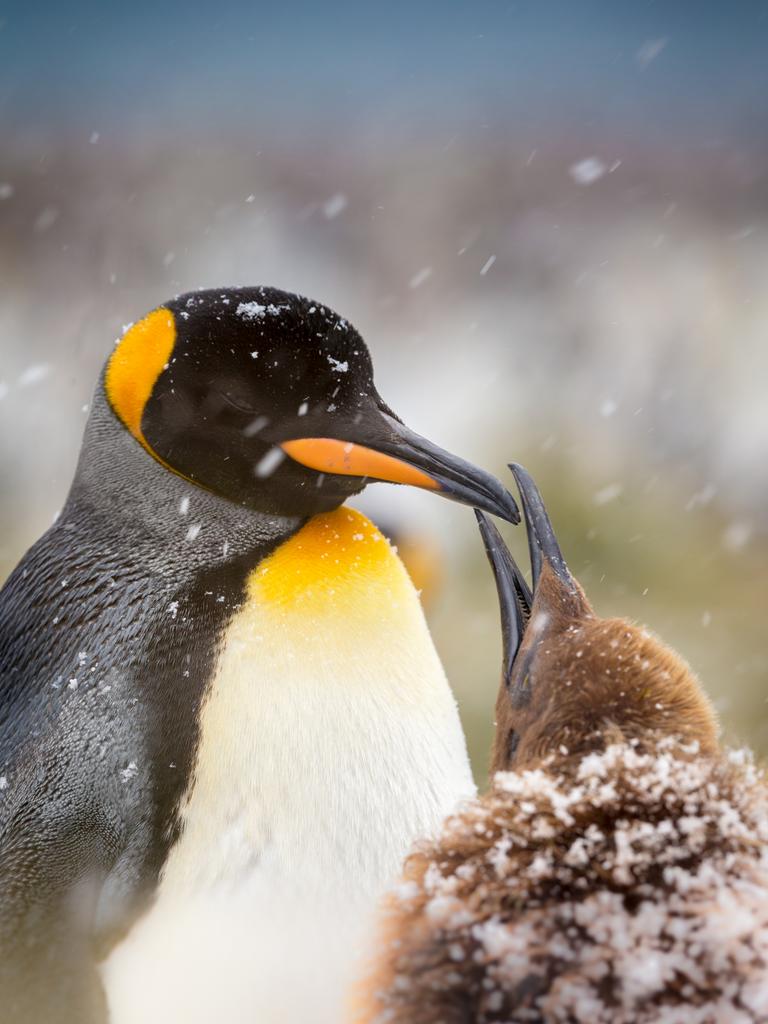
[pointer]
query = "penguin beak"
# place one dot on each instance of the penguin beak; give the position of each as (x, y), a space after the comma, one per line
(514, 594)
(555, 594)
(543, 547)
(385, 449)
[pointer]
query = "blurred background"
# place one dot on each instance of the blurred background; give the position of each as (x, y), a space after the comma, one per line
(549, 220)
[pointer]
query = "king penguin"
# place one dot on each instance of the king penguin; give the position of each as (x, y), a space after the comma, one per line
(222, 718)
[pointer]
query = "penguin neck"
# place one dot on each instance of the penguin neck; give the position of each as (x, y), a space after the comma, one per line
(328, 708)
(156, 507)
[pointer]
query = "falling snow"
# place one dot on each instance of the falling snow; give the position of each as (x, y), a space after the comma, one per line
(420, 277)
(607, 494)
(269, 463)
(334, 206)
(588, 171)
(34, 374)
(649, 51)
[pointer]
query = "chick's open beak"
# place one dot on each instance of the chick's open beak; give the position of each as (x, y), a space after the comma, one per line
(543, 547)
(387, 450)
(515, 598)
(553, 590)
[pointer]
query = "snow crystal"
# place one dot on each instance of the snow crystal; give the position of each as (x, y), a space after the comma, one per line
(302, 410)
(420, 277)
(193, 531)
(3, 782)
(184, 505)
(6, 190)
(588, 171)
(173, 608)
(608, 407)
(269, 463)
(334, 206)
(129, 772)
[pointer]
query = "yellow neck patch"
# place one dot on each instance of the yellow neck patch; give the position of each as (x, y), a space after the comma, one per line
(338, 562)
(133, 369)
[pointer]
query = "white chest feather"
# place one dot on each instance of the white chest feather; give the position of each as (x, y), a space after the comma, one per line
(329, 742)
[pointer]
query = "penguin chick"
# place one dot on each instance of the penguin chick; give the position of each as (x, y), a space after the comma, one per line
(617, 869)
(219, 699)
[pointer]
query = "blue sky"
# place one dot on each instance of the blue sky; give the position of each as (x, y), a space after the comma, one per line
(569, 62)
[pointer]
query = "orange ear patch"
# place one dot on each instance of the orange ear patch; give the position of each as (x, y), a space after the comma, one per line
(135, 365)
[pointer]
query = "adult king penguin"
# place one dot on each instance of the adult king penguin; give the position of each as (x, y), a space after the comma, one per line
(222, 719)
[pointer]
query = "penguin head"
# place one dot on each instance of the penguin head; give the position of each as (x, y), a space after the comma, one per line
(573, 681)
(267, 399)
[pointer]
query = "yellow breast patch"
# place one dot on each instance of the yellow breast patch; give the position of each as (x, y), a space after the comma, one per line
(339, 561)
(135, 365)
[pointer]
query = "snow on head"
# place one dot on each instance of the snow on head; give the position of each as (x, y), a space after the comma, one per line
(255, 310)
(338, 366)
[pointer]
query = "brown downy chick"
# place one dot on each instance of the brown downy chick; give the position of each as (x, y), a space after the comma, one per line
(617, 870)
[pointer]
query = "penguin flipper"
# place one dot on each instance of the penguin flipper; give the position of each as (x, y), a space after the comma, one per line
(48, 967)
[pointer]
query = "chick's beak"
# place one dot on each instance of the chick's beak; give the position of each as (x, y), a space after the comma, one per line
(385, 449)
(514, 594)
(542, 543)
(554, 591)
